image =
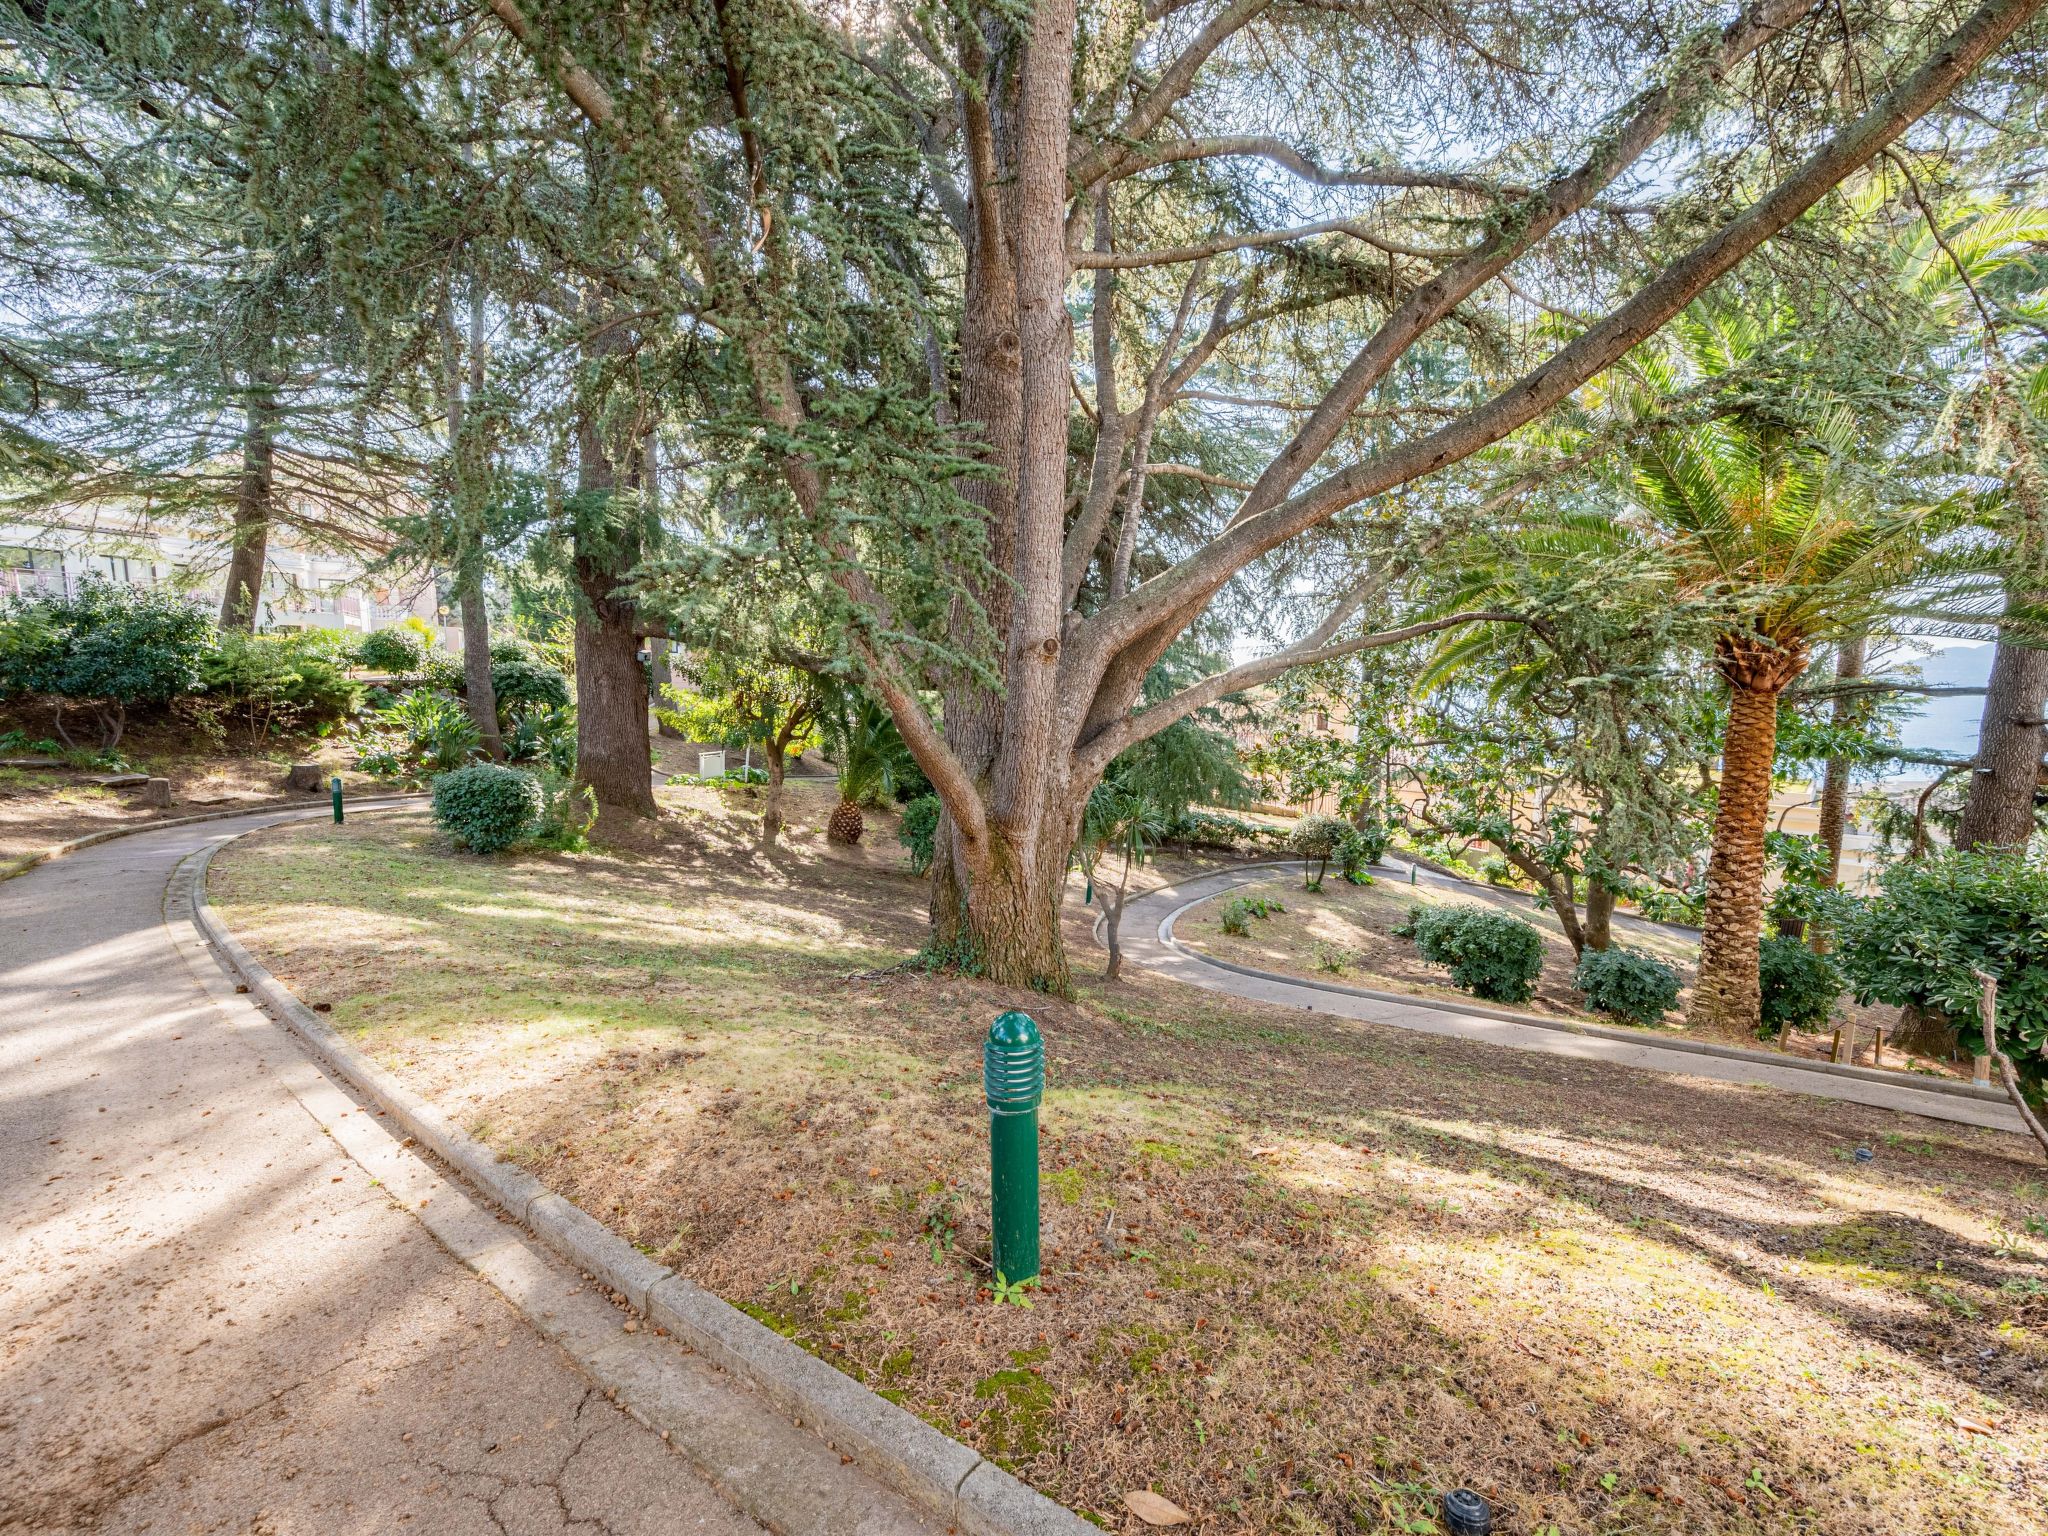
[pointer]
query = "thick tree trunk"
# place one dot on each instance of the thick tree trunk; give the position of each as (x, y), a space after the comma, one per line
(1727, 995)
(254, 492)
(1924, 1033)
(613, 753)
(1599, 922)
(1557, 889)
(1999, 812)
(1012, 915)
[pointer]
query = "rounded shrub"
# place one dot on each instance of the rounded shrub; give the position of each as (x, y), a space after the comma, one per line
(1627, 985)
(1489, 954)
(486, 807)
(399, 652)
(1799, 987)
(521, 683)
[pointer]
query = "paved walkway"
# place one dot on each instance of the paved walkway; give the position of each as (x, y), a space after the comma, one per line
(211, 1318)
(1147, 935)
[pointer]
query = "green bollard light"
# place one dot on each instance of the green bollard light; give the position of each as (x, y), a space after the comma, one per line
(335, 785)
(1013, 1072)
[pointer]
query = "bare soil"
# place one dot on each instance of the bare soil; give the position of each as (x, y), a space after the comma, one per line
(40, 807)
(1302, 1273)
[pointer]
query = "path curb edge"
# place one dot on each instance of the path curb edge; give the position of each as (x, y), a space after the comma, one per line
(1947, 1086)
(933, 1470)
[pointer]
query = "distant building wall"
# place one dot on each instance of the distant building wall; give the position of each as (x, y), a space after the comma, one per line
(302, 588)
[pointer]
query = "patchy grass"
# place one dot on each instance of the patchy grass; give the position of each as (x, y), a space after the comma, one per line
(1301, 1272)
(1345, 933)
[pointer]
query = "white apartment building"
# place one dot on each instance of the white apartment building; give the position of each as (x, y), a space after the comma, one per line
(302, 588)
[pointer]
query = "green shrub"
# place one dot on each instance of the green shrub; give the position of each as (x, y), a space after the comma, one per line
(1937, 919)
(919, 831)
(399, 652)
(1356, 850)
(487, 807)
(1318, 838)
(1627, 985)
(544, 737)
(1208, 829)
(275, 684)
(568, 810)
(1664, 906)
(1489, 954)
(519, 685)
(106, 647)
(420, 734)
(1238, 912)
(1495, 870)
(1368, 842)
(1799, 987)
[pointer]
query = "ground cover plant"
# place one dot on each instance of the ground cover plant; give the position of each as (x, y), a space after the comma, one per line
(1301, 1273)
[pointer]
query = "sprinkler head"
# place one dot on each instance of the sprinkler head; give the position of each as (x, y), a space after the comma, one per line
(1467, 1514)
(1865, 1155)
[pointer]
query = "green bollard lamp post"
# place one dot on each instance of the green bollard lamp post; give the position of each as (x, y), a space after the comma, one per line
(1013, 1072)
(335, 785)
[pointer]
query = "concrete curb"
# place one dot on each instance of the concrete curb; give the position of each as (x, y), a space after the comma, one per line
(934, 1471)
(1661, 1042)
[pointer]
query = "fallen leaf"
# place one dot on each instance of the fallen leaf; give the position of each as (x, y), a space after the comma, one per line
(1153, 1510)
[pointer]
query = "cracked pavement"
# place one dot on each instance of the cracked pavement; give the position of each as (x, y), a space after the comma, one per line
(212, 1319)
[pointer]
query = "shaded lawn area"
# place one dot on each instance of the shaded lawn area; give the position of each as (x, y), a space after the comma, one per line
(1301, 1272)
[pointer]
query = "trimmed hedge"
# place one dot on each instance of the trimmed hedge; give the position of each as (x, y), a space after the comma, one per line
(1489, 954)
(1627, 985)
(487, 807)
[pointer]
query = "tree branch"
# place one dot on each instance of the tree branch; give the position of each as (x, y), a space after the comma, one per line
(1095, 754)
(1256, 531)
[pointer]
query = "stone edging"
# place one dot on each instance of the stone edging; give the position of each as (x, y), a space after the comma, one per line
(934, 1471)
(1562, 1026)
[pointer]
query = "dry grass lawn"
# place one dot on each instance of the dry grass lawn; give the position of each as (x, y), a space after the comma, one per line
(1301, 1273)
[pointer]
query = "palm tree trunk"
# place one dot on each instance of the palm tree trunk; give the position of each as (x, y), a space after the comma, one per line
(1727, 996)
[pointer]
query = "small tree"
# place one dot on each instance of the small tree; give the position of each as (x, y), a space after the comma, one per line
(1122, 821)
(1318, 838)
(764, 703)
(106, 648)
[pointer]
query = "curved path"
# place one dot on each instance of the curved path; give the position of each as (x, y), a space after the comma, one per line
(1147, 939)
(211, 1316)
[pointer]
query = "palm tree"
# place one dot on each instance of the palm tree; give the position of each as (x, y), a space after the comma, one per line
(1770, 524)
